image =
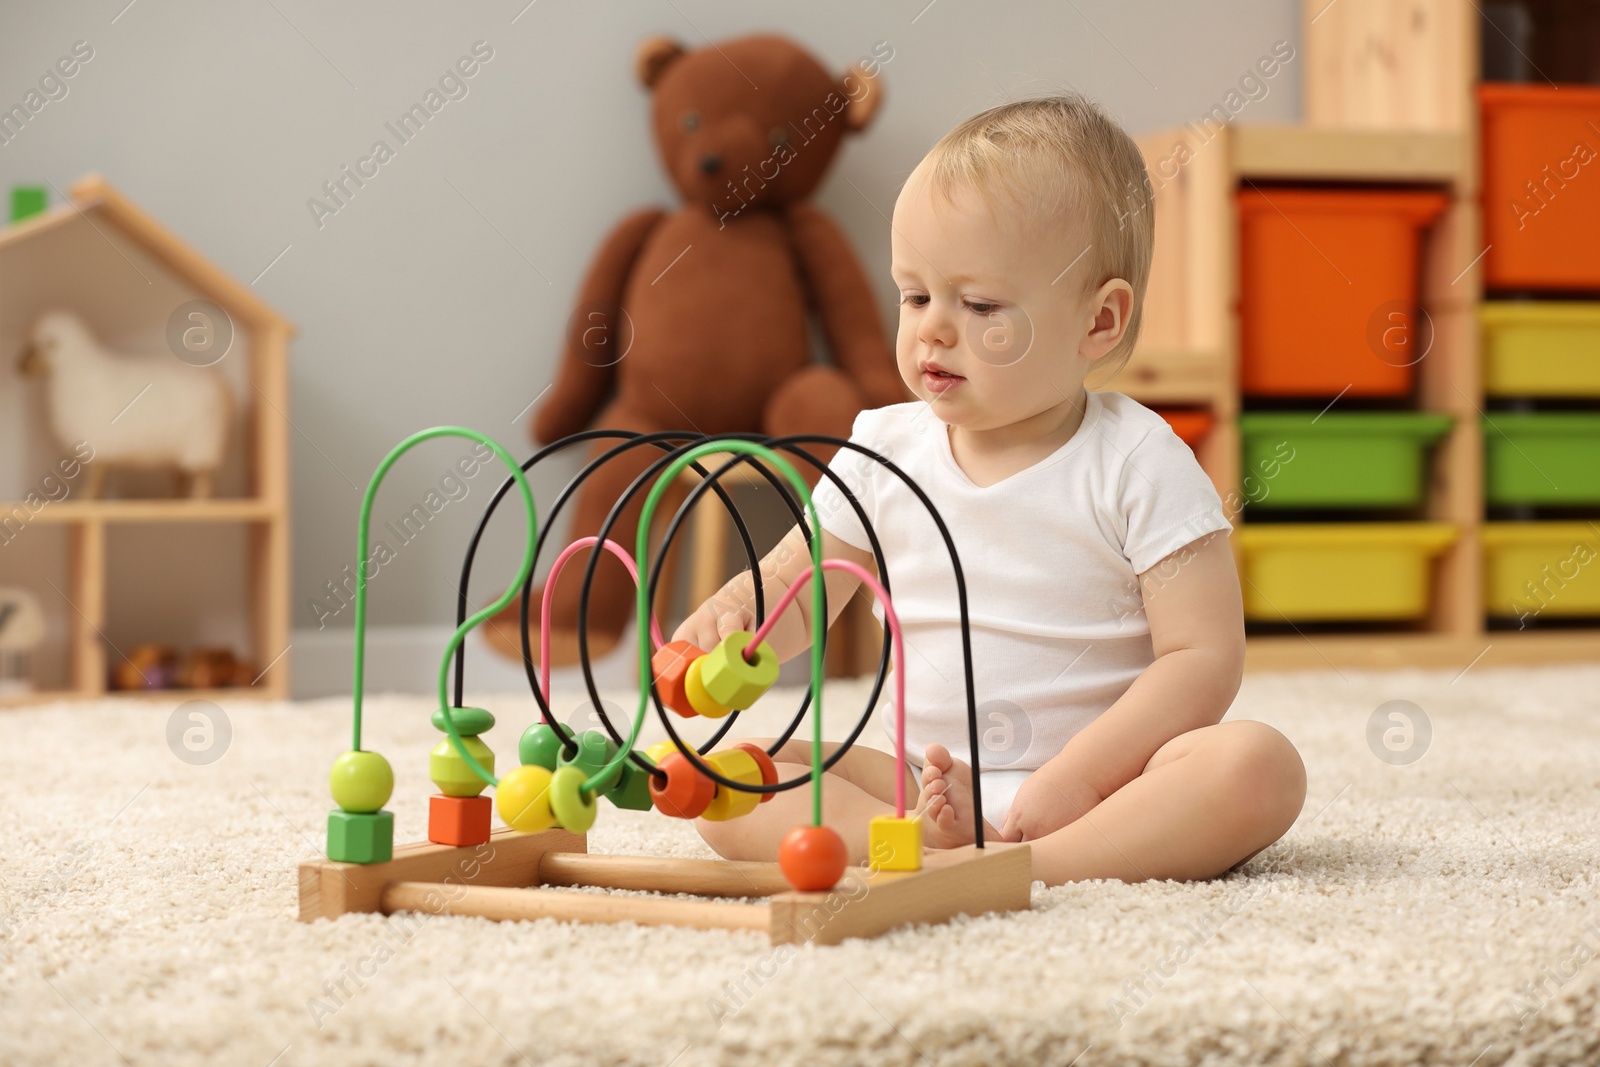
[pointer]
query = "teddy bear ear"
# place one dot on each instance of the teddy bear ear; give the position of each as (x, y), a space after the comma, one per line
(865, 93)
(653, 57)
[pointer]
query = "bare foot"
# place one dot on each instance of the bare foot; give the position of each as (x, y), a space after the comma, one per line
(945, 803)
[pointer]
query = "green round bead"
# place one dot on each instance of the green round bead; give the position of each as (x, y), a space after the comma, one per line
(448, 771)
(470, 722)
(595, 750)
(566, 800)
(361, 781)
(540, 746)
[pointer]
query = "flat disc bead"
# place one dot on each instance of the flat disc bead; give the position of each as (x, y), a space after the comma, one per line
(567, 802)
(595, 750)
(703, 702)
(739, 765)
(730, 679)
(687, 793)
(470, 722)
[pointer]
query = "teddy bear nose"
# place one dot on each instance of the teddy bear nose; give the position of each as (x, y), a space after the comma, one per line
(710, 164)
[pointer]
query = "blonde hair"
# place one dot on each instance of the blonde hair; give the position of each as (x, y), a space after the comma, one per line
(1054, 158)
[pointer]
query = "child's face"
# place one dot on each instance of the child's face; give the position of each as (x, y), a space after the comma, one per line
(1004, 314)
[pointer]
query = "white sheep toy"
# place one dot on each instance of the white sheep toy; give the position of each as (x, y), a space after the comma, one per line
(134, 410)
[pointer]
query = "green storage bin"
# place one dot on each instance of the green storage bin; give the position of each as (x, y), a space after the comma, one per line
(1546, 457)
(1356, 459)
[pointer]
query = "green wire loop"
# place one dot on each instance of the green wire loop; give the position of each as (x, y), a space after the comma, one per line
(467, 626)
(819, 624)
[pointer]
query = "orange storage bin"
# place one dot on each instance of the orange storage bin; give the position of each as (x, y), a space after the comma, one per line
(1190, 426)
(1328, 290)
(1541, 186)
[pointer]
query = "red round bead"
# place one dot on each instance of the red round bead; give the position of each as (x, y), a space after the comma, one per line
(769, 770)
(812, 858)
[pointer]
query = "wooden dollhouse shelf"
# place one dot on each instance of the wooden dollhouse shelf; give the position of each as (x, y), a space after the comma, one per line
(102, 257)
(244, 510)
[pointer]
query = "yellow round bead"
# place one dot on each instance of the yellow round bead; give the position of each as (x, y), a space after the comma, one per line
(739, 765)
(694, 688)
(659, 752)
(523, 799)
(361, 781)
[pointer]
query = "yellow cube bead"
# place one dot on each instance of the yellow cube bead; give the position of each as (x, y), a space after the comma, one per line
(694, 688)
(894, 844)
(739, 765)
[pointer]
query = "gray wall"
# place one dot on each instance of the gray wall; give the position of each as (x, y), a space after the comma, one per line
(438, 294)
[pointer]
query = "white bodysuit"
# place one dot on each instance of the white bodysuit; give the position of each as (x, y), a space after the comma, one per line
(1050, 556)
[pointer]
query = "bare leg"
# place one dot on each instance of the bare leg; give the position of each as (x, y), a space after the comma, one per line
(858, 787)
(1207, 800)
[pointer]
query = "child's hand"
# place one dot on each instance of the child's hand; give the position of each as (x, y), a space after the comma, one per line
(712, 621)
(1045, 803)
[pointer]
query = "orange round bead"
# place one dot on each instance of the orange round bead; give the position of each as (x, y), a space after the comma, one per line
(812, 858)
(769, 770)
(686, 794)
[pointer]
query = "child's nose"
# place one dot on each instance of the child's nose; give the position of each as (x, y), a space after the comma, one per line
(937, 327)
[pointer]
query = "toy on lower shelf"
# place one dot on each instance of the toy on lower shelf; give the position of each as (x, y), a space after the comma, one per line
(552, 798)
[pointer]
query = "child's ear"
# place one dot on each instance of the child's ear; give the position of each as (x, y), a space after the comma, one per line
(1112, 304)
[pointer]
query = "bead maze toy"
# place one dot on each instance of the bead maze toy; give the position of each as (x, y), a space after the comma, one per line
(551, 799)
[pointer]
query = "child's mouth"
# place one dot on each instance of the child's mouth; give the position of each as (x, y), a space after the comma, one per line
(940, 381)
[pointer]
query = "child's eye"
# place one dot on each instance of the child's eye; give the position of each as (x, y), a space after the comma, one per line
(916, 300)
(980, 308)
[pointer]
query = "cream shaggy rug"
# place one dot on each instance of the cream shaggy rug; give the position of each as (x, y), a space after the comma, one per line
(1441, 912)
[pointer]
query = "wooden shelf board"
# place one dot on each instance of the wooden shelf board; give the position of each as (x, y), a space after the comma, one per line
(1311, 154)
(242, 510)
(47, 696)
(1170, 377)
(1373, 651)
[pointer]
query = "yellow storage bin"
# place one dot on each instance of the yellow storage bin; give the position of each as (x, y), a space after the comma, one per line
(1314, 572)
(1540, 348)
(1541, 568)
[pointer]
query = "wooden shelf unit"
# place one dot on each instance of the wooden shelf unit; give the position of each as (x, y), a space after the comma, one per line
(1389, 100)
(131, 232)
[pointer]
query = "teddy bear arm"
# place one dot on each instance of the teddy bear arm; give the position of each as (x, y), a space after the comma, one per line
(585, 378)
(837, 287)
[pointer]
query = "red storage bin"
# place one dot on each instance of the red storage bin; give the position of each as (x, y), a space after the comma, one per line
(1541, 186)
(1190, 426)
(1328, 290)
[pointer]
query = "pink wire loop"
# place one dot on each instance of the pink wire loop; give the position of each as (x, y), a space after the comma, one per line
(892, 621)
(549, 586)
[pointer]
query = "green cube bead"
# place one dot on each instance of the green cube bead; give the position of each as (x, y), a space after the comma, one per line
(28, 200)
(361, 838)
(595, 750)
(448, 771)
(540, 746)
(632, 791)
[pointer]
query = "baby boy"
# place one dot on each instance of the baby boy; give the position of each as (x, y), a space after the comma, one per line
(1104, 606)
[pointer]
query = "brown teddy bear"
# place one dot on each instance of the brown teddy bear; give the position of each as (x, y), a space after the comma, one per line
(696, 319)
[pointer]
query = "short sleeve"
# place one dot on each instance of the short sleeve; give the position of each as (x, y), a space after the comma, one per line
(1165, 499)
(856, 471)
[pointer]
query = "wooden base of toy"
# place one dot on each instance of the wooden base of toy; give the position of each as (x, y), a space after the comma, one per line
(508, 878)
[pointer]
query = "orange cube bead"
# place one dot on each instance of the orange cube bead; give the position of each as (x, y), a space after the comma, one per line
(459, 820)
(670, 664)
